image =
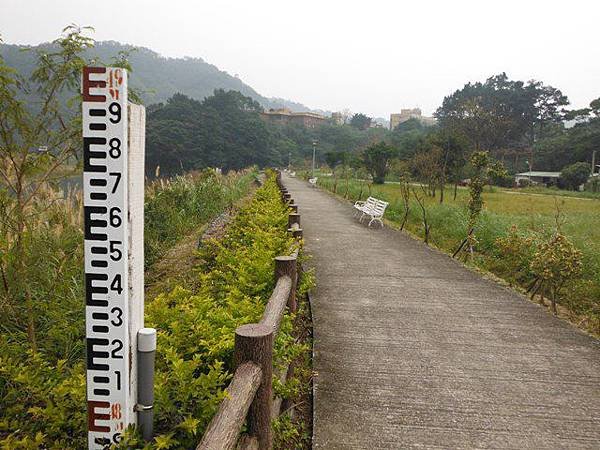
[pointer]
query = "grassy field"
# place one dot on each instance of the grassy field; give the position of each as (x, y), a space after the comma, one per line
(534, 213)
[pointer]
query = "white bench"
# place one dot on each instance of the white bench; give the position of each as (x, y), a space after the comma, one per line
(313, 181)
(371, 207)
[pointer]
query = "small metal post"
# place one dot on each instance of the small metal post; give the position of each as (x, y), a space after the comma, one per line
(145, 405)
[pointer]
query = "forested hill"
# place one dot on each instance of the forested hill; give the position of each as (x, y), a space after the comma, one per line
(157, 77)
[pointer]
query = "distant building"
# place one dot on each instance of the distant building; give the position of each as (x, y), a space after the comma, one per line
(337, 118)
(545, 178)
(285, 116)
(407, 114)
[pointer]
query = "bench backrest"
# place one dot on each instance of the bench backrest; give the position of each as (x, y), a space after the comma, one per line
(370, 202)
(379, 207)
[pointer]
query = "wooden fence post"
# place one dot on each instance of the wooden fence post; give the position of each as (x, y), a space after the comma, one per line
(254, 342)
(293, 218)
(296, 233)
(294, 208)
(286, 265)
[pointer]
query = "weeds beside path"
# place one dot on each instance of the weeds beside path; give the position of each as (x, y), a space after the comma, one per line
(534, 215)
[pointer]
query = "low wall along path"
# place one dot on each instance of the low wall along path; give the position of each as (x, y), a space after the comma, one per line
(412, 350)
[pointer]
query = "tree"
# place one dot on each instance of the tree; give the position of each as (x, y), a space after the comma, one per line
(575, 175)
(454, 148)
(427, 167)
(377, 158)
(480, 161)
(566, 146)
(39, 146)
(333, 159)
(554, 264)
(225, 130)
(501, 113)
(360, 121)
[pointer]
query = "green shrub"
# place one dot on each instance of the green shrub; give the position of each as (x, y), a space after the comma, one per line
(593, 185)
(43, 391)
(573, 176)
(196, 329)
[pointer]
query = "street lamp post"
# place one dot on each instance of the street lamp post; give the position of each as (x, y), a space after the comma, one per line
(313, 159)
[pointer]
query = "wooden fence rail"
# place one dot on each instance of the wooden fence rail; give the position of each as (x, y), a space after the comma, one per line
(250, 394)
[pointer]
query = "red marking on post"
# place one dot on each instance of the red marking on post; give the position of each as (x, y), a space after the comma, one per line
(93, 416)
(87, 84)
(115, 411)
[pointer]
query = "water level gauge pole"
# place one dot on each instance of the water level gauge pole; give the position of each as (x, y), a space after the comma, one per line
(113, 208)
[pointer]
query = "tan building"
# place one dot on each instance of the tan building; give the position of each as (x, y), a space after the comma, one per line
(337, 118)
(284, 116)
(407, 114)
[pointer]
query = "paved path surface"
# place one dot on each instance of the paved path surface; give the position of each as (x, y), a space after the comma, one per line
(412, 350)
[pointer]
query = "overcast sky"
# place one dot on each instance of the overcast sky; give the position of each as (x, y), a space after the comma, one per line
(369, 56)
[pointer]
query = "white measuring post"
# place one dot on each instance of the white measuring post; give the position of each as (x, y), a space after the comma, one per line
(113, 188)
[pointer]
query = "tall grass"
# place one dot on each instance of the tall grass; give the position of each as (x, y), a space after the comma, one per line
(532, 213)
(174, 207)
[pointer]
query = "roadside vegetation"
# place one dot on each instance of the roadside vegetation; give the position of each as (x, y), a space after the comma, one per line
(512, 228)
(196, 327)
(451, 184)
(42, 373)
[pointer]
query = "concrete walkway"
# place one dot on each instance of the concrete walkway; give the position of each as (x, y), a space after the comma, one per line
(412, 350)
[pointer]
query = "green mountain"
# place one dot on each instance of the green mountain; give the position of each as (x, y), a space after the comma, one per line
(155, 76)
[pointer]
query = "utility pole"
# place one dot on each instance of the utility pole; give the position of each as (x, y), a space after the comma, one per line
(593, 162)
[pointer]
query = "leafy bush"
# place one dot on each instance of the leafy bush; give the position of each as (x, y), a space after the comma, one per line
(593, 185)
(43, 388)
(196, 329)
(515, 253)
(555, 263)
(575, 175)
(525, 182)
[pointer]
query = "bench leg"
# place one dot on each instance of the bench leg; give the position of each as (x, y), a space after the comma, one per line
(377, 219)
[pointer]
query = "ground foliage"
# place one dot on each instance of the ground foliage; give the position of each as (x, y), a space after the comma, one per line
(197, 328)
(43, 389)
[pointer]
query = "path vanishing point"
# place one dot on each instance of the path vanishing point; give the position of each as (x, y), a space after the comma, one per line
(412, 350)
